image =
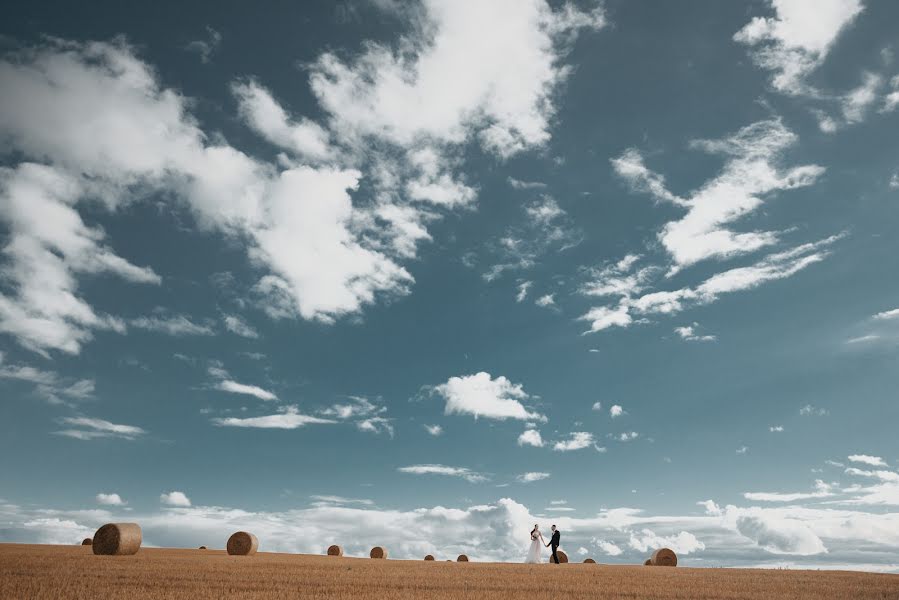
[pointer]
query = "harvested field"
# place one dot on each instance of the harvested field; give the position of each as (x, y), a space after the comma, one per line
(31, 571)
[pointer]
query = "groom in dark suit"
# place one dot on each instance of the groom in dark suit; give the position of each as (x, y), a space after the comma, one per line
(554, 542)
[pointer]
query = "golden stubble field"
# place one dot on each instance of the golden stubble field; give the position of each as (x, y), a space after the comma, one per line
(48, 572)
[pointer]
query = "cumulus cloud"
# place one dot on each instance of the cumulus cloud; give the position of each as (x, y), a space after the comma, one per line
(175, 498)
(110, 499)
(434, 430)
(480, 395)
(577, 440)
(608, 548)
(616, 411)
(788, 46)
(780, 536)
(493, 531)
(689, 334)
(266, 116)
(462, 472)
(683, 543)
(530, 437)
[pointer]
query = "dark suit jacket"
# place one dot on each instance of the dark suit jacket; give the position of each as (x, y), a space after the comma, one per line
(555, 539)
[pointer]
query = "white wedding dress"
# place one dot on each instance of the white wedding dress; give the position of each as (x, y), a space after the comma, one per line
(534, 550)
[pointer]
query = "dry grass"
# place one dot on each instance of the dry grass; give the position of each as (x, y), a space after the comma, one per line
(73, 572)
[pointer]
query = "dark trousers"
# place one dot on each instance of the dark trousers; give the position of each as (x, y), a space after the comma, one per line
(555, 556)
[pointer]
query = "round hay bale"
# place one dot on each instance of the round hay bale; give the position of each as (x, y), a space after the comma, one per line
(664, 557)
(202, 548)
(563, 558)
(117, 538)
(242, 544)
(87, 542)
(378, 552)
(335, 550)
(589, 561)
(429, 557)
(462, 558)
(648, 562)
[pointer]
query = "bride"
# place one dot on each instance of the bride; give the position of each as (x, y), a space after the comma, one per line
(535, 547)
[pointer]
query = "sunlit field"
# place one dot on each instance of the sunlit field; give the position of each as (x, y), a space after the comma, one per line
(32, 571)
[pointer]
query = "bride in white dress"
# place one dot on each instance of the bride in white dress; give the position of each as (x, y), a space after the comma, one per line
(535, 547)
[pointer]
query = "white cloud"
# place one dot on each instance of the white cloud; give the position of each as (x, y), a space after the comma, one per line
(776, 429)
(822, 490)
(456, 76)
(480, 395)
(628, 436)
(48, 384)
(289, 417)
(608, 548)
(891, 101)
(265, 115)
(857, 102)
(874, 461)
(772, 267)
(236, 325)
(99, 94)
(545, 301)
(48, 246)
(794, 42)
(434, 430)
(742, 450)
(684, 543)
(110, 499)
(578, 440)
(887, 314)
(523, 288)
(616, 411)
(750, 171)
(462, 472)
(175, 498)
(780, 536)
(597, 406)
(493, 531)
(530, 437)
(532, 476)
(87, 428)
(688, 333)
(234, 387)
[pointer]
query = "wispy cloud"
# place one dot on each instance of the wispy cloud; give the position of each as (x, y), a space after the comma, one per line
(234, 387)
(86, 428)
(289, 417)
(431, 469)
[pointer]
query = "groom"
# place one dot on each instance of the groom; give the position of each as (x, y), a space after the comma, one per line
(554, 542)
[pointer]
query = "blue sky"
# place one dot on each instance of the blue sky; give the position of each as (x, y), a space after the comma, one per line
(423, 274)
